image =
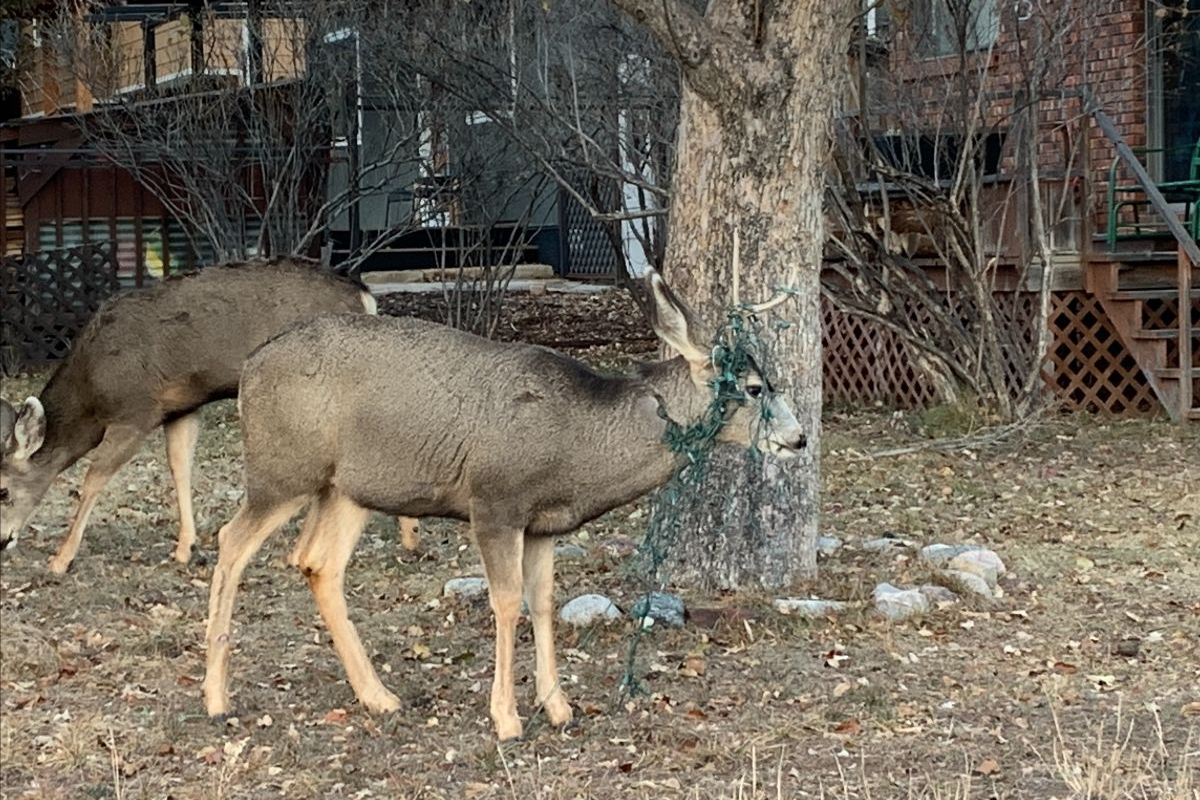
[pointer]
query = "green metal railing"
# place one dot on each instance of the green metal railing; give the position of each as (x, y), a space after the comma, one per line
(1136, 196)
(1189, 251)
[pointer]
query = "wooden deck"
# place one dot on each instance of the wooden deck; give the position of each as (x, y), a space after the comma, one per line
(1153, 302)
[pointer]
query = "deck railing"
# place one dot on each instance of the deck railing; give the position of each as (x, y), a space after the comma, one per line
(1189, 251)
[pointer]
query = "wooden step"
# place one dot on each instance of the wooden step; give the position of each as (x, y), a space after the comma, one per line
(1162, 333)
(1145, 257)
(1152, 294)
(1194, 414)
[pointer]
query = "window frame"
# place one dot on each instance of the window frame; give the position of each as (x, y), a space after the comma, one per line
(934, 33)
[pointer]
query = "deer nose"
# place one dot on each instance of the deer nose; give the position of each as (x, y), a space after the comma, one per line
(800, 443)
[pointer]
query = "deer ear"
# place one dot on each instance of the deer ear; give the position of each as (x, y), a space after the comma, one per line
(28, 431)
(674, 324)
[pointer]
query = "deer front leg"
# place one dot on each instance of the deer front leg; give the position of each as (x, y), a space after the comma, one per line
(502, 547)
(118, 446)
(181, 436)
(539, 593)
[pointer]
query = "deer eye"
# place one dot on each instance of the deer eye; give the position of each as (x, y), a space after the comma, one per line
(754, 391)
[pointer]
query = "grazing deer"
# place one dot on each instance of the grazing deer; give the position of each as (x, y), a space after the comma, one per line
(352, 413)
(146, 359)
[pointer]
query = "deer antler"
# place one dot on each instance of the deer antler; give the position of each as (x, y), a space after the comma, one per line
(782, 293)
(737, 267)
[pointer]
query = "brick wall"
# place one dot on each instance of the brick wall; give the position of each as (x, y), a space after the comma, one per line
(1099, 44)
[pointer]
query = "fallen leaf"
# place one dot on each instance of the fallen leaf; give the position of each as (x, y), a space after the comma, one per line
(849, 727)
(336, 717)
(234, 747)
(989, 766)
(209, 754)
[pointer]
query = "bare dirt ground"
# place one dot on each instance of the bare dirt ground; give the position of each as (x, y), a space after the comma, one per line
(1082, 681)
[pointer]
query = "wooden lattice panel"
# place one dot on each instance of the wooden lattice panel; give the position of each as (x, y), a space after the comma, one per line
(1159, 313)
(1163, 314)
(47, 298)
(1018, 317)
(1089, 367)
(866, 363)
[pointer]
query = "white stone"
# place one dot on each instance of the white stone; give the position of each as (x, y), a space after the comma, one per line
(807, 608)
(989, 557)
(828, 545)
(661, 608)
(465, 587)
(569, 550)
(937, 553)
(589, 608)
(898, 604)
(971, 582)
(938, 594)
(976, 563)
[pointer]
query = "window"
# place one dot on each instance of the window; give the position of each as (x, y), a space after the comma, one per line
(10, 37)
(877, 18)
(947, 27)
(343, 68)
(936, 156)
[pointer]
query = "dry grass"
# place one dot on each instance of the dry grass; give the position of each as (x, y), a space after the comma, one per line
(1024, 698)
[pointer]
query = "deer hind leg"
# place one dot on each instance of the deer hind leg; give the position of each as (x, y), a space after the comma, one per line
(502, 547)
(538, 566)
(118, 446)
(330, 533)
(410, 532)
(237, 543)
(181, 437)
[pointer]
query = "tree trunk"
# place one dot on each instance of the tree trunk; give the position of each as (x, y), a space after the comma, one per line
(761, 81)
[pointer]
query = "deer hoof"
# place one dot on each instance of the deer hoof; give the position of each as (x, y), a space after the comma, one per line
(384, 704)
(509, 731)
(558, 711)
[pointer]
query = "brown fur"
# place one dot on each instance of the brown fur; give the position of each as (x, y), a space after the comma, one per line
(152, 357)
(398, 415)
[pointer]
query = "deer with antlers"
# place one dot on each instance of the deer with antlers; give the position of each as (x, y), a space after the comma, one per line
(471, 429)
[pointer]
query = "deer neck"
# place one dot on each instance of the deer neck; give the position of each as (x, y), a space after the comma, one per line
(665, 388)
(71, 428)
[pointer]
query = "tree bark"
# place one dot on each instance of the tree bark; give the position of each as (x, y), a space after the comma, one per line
(761, 81)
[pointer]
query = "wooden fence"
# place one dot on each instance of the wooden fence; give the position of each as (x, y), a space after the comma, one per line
(1088, 368)
(47, 297)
